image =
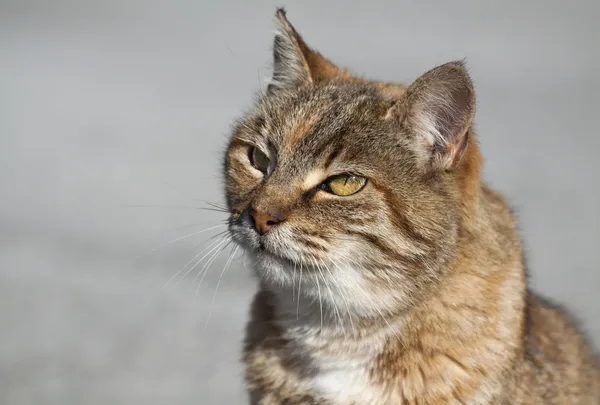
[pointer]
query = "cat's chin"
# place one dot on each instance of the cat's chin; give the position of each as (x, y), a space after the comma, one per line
(273, 268)
(261, 251)
(266, 258)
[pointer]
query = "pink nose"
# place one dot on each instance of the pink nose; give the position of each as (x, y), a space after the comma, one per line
(263, 221)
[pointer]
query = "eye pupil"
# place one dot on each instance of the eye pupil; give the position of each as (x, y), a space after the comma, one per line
(259, 159)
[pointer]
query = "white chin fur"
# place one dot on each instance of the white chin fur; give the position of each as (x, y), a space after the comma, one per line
(336, 286)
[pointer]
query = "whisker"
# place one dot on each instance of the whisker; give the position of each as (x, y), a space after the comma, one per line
(160, 206)
(344, 297)
(335, 308)
(227, 264)
(206, 267)
(241, 257)
(187, 226)
(294, 281)
(179, 207)
(338, 312)
(215, 252)
(188, 263)
(299, 287)
(213, 209)
(186, 195)
(244, 260)
(320, 301)
(178, 239)
(214, 205)
(380, 313)
(366, 295)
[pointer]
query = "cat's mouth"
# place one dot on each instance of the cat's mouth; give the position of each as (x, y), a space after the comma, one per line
(268, 247)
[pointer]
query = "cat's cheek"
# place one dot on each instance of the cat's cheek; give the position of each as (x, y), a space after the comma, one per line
(240, 171)
(244, 179)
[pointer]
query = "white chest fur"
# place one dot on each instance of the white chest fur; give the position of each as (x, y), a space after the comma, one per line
(343, 367)
(342, 356)
(342, 382)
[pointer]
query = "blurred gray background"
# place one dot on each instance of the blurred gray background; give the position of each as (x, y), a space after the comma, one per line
(113, 118)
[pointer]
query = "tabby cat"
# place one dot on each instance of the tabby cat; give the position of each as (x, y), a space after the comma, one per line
(389, 272)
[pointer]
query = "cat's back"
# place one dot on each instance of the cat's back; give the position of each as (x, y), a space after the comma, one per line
(559, 364)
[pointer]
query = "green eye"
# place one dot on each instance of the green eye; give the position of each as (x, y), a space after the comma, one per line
(344, 184)
(259, 160)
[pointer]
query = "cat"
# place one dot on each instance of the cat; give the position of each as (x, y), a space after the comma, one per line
(390, 273)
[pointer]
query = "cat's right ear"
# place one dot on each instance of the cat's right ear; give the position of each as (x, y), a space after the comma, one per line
(294, 63)
(437, 114)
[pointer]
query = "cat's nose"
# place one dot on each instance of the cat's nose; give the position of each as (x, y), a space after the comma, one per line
(263, 221)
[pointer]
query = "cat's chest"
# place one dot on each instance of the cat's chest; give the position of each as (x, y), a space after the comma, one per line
(276, 380)
(345, 381)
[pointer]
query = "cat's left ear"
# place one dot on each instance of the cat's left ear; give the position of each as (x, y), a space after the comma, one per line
(437, 113)
(294, 63)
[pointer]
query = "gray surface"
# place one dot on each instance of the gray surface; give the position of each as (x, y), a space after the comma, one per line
(113, 103)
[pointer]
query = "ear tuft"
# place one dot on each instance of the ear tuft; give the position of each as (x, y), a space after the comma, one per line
(290, 67)
(294, 63)
(438, 109)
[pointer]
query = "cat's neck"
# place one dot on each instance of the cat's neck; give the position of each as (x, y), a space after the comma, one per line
(323, 326)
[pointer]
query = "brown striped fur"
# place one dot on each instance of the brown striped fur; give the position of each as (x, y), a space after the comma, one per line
(411, 291)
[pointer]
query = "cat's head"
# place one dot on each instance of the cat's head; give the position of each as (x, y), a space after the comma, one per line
(354, 189)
